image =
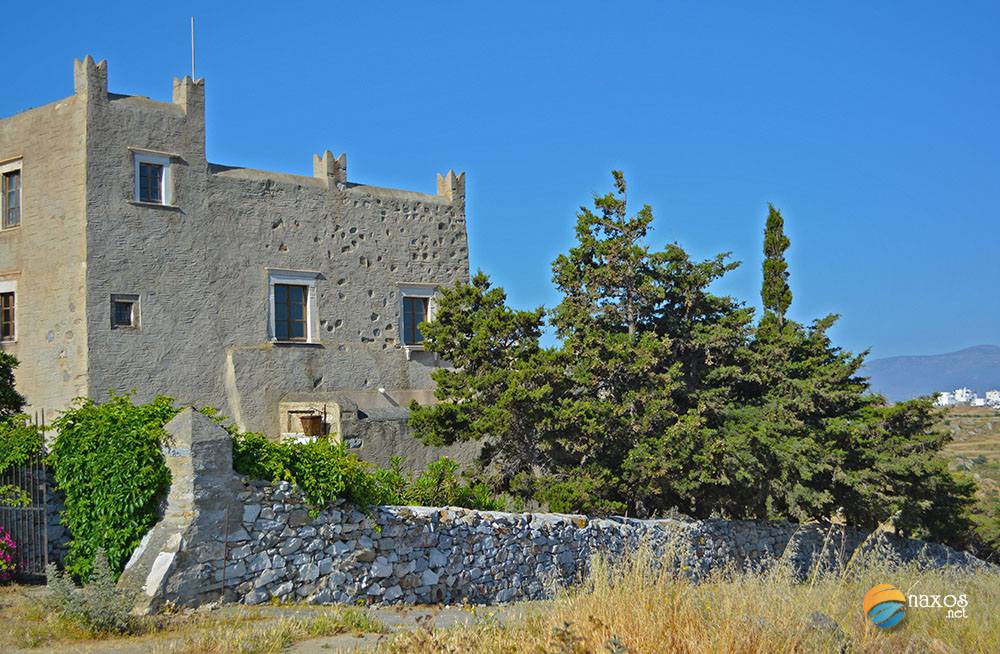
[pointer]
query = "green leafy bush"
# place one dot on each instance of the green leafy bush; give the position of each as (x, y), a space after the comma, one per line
(14, 496)
(323, 470)
(19, 440)
(100, 606)
(442, 485)
(326, 471)
(107, 461)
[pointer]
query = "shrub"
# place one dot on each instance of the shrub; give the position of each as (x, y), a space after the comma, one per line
(8, 560)
(19, 441)
(323, 470)
(326, 471)
(100, 606)
(441, 485)
(107, 461)
(14, 496)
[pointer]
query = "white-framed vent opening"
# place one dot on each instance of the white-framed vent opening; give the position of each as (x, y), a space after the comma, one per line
(124, 311)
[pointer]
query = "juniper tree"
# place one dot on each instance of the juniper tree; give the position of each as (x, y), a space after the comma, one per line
(503, 387)
(827, 444)
(620, 367)
(662, 393)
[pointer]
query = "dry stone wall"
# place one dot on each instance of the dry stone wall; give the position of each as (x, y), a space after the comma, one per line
(417, 555)
(252, 542)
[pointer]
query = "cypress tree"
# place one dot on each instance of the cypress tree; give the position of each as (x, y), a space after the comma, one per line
(775, 292)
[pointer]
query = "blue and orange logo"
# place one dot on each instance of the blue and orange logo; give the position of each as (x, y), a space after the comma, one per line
(885, 605)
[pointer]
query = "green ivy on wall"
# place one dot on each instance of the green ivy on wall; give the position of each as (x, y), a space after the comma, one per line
(107, 461)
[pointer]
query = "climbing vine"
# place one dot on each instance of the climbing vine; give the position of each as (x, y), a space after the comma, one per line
(107, 461)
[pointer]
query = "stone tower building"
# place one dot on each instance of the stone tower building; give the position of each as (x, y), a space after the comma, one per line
(129, 261)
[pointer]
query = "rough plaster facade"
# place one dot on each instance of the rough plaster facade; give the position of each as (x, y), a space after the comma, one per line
(200, 265)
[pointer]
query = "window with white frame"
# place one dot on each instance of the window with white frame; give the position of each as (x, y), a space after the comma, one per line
(416, 305)
(292, 306)
(152, 178)
(8, 317)
(124, 311)
(10, 194)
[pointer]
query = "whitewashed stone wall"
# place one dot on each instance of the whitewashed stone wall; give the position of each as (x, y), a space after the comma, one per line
(247, 541)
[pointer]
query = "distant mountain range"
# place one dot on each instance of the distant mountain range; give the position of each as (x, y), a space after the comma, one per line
(906, 377)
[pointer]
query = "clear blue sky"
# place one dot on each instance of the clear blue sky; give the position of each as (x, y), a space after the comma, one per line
(874, 129)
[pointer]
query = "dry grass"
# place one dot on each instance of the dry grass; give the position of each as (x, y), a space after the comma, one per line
(639, 608)
(27, 624)
(273, 637)
(975, 432)
(246, 630)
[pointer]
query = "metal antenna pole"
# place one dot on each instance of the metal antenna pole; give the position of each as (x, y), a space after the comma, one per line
(192, 48)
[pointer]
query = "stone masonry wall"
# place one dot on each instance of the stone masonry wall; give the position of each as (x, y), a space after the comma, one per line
(418, 555)
(247, 541)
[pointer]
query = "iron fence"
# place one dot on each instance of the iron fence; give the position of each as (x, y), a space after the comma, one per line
(24, 516)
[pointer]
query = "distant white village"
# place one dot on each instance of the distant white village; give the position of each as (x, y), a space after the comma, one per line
(967, 397)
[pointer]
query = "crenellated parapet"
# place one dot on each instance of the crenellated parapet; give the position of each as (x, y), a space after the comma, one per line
(190, 94)
(90, 79)
(330, 168)
(452, 187)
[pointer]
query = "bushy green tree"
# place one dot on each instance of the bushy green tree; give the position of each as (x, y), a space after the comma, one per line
(11, 402)
(618, 366)
(665, 394)
(504, 386)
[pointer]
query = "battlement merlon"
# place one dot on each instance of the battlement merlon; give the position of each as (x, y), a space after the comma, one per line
(333, 170)
(90, 79)
(452, 187)
(190, 95)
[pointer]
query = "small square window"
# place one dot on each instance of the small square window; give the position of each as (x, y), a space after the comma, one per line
(124, 311)
(10, 190)
(7, 325)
